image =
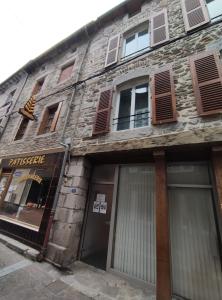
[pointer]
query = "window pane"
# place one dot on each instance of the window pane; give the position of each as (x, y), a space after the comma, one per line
(141, 106)
(143, 40)
(22, 129)
(188, 174)
(214, 8)
(130, 45)
(124, 110)
(66, 72)
(51, 115)
(25, 197)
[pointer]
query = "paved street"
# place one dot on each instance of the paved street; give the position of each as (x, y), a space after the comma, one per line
(23, 279)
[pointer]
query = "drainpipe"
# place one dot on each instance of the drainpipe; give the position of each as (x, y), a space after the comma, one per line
(67, 145)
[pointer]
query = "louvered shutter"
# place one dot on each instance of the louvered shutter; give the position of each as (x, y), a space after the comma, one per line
(163, 97)
(206, 71)
(112, 50)
(159, 28)
(195, 13)
(104, 107)
(56, 117)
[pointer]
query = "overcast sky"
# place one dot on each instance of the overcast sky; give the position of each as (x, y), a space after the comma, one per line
(30, 27)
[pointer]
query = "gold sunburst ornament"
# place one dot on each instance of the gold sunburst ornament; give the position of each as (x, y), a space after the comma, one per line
(28, 110)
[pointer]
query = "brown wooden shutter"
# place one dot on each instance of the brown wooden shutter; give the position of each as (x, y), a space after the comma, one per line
(163, 97)
(206, 71)
(112, 50)
(195, 13)
(66, 72)
(159, 28)
(56, 117)
(44, 119)
(104, 107)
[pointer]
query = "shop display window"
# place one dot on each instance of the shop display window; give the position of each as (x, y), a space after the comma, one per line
(23, 195)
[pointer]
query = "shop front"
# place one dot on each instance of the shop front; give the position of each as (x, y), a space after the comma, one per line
(157, 222)
(27, 189)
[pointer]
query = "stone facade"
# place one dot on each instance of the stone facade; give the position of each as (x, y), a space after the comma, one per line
(176, 53)
(66, 231)
(80, 96)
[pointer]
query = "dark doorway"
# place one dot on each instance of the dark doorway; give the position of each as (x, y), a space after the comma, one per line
(96, 238)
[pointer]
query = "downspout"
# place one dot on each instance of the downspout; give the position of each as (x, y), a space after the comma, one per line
(66, 143)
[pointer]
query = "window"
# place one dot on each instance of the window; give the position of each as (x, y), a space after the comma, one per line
(132, 108)
(66, 72)
(136, 42)
(27, 189)
(38, 86)
(22, 129)
(50, 119)
(9, 98)
(214, 8)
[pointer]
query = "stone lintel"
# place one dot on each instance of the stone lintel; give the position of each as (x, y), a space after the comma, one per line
(190, 137)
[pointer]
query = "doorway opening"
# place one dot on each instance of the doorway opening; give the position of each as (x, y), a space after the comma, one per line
(97, 226)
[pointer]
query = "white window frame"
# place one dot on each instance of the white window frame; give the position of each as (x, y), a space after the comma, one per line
(136, 34)
(132, 108)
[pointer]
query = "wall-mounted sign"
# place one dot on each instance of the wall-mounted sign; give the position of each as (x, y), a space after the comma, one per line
(34, 177)
(100, 205)
(103, 207)
(27, 161)
(28, 110)
(96, 206)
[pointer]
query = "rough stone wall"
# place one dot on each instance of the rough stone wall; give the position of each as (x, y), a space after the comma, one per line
(190, 128)
(176, 53)
(13, 85)
(66, 230)
(49, 94)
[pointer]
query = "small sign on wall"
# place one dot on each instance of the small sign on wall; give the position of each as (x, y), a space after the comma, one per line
(100, 205)
(103, 207)
(96, 206)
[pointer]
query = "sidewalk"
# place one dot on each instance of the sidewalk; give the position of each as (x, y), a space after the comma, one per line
(98, 284)
(24, 279)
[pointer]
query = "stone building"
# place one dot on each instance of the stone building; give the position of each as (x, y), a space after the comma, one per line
(140, 130)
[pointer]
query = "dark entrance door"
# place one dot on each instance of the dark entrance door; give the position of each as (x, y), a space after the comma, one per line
(95, 242)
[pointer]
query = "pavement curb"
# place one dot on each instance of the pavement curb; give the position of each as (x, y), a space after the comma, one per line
(19, 247)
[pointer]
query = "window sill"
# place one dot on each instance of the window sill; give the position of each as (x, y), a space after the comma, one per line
(58, 84)
(131, 129)
(18, 141)
(128, 57)
(215, 19)
(45, 134)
